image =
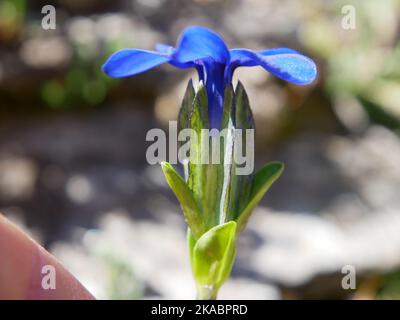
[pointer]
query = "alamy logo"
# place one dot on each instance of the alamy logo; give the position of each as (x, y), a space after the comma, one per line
(49, 20)
(349, 280)
(349, 17)
(49, 277)
(211, 141)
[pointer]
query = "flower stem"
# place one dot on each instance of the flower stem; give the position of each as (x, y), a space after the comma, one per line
(206, 292)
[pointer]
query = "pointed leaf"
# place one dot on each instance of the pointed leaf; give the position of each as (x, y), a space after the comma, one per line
(214, 254)
(186, 109)
(226, 151)
(262, 181)
(204, 180)
(185, 196)
(241, 184)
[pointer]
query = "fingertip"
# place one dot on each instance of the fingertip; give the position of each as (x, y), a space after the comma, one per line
(28, 271)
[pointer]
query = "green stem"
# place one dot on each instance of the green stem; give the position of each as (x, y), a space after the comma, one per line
(206, 292)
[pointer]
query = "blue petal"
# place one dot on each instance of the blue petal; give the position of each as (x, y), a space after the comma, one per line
(128, 62)
(284, 63)
(269, 52)
(165, 48)
(197, 43)
(170, 50)
(245, 60)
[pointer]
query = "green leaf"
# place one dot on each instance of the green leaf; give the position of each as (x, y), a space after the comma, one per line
(205, 180)
(184, 195)
(240, 184)
(262, 181)
(186, 109)
(185, 114)
(198, 121)
(244, 116)
(191, 243)
(228, 118)
(213, 256)
(226, 152)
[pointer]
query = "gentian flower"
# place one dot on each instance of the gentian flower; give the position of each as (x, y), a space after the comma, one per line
(205, 50)
(216, 199)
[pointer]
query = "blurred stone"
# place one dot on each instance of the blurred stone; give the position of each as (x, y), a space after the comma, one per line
(17, 178)
(298, 247)
(46, 52)
(168, 103)
(113, 26)
(281, 19)
(247, 289)
(351, 114)
(147, 7)
(267, 101)
(139, 245)
(82, 30)
(79, 189)
(153, 176)
(372, 163)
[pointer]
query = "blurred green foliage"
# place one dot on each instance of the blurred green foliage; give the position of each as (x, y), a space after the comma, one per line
(362, 64)
(390, 288)
(83, 84)
(123, 282)
(12, 13)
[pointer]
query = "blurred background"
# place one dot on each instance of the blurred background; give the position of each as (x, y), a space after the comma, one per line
(73, 171)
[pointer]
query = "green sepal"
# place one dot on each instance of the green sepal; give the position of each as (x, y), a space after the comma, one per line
(240, 184)
(198, 121)
(185, 197)
(186, 110)
(205, 179)
(213, 255)
(226, 152)
(262, 181)
(191, 243)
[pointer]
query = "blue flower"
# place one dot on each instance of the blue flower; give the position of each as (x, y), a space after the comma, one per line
(205, 50)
